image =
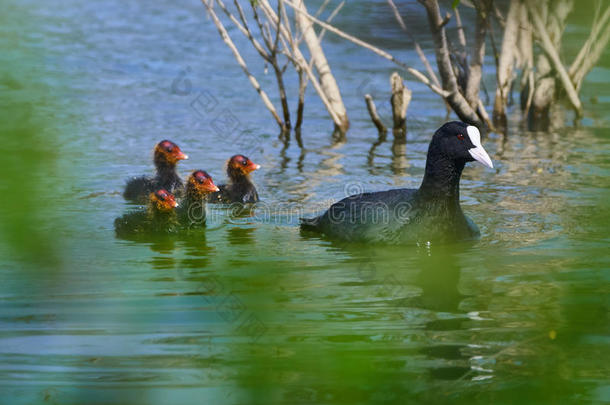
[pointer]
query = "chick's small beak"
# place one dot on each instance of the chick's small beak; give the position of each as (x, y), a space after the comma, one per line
(181, 156)
(210, 186)
(252, 167)
(480, 155)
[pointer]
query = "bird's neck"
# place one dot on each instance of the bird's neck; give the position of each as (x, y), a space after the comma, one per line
(238, 178)
(441, 181)
(165, 168)
(194, 195)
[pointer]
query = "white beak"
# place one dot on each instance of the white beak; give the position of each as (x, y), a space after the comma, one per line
(478, 152)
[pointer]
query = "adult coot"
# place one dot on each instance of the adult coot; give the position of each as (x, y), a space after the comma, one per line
(240, 188)
(431, 212)
(165, 156)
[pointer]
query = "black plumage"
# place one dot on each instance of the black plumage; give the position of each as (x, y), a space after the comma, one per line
(165, 157)
(192, 211)
(158, 217)
(429, 213)
(240, 188)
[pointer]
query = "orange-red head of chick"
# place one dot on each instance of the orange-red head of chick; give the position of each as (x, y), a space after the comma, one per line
(162, 201)
(200, 184)
(168, 153)
(240, 166)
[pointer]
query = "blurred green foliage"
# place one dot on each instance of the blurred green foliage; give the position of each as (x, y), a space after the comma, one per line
(27, 136)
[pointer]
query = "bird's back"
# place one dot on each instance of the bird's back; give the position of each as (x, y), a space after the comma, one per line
(137, 189)
(393, 216)
(376, 216)
(235, 193)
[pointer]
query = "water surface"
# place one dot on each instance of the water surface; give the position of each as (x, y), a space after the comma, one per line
(250, 311)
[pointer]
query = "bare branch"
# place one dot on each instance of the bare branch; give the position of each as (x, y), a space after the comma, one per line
(280, 6)
(321, 8)
(261, 27)
(301, 105)
(370, 106)
(592, 48)
(460, 28)
(549, 49)
(506, 62)
(478, 54)
(401, 97)
(330, 18)
(229, 42)
(455, 99)
(417, 74)
(299, 62)
(483, 114)
(244, 28)
(327, 80)
(445, 20)
(420, 52)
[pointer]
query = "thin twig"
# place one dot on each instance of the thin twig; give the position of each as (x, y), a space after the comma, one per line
(370, 105)
(280, 5)
(549, 48)
(420, 52)
(460, 28)
(229, 42)
(329, 19)
(321, 9)
(417, 74)
(244, 28)
(299, 61)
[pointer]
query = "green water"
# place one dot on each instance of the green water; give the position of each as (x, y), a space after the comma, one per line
(250, 311)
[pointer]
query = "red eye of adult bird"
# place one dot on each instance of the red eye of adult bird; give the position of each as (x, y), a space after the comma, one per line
(460, 137)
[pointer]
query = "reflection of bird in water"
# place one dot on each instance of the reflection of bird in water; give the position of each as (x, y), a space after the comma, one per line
(198, 252)
(438, 278)
(241, 235)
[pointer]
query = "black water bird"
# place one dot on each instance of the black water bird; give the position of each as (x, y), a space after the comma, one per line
(240, 188)
(429, 213)
(166, 155)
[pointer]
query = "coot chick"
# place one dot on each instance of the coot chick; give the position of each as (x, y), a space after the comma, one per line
(166, 156)
(198, 188)
(431, 212)
(158, 217)
(240, 188)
